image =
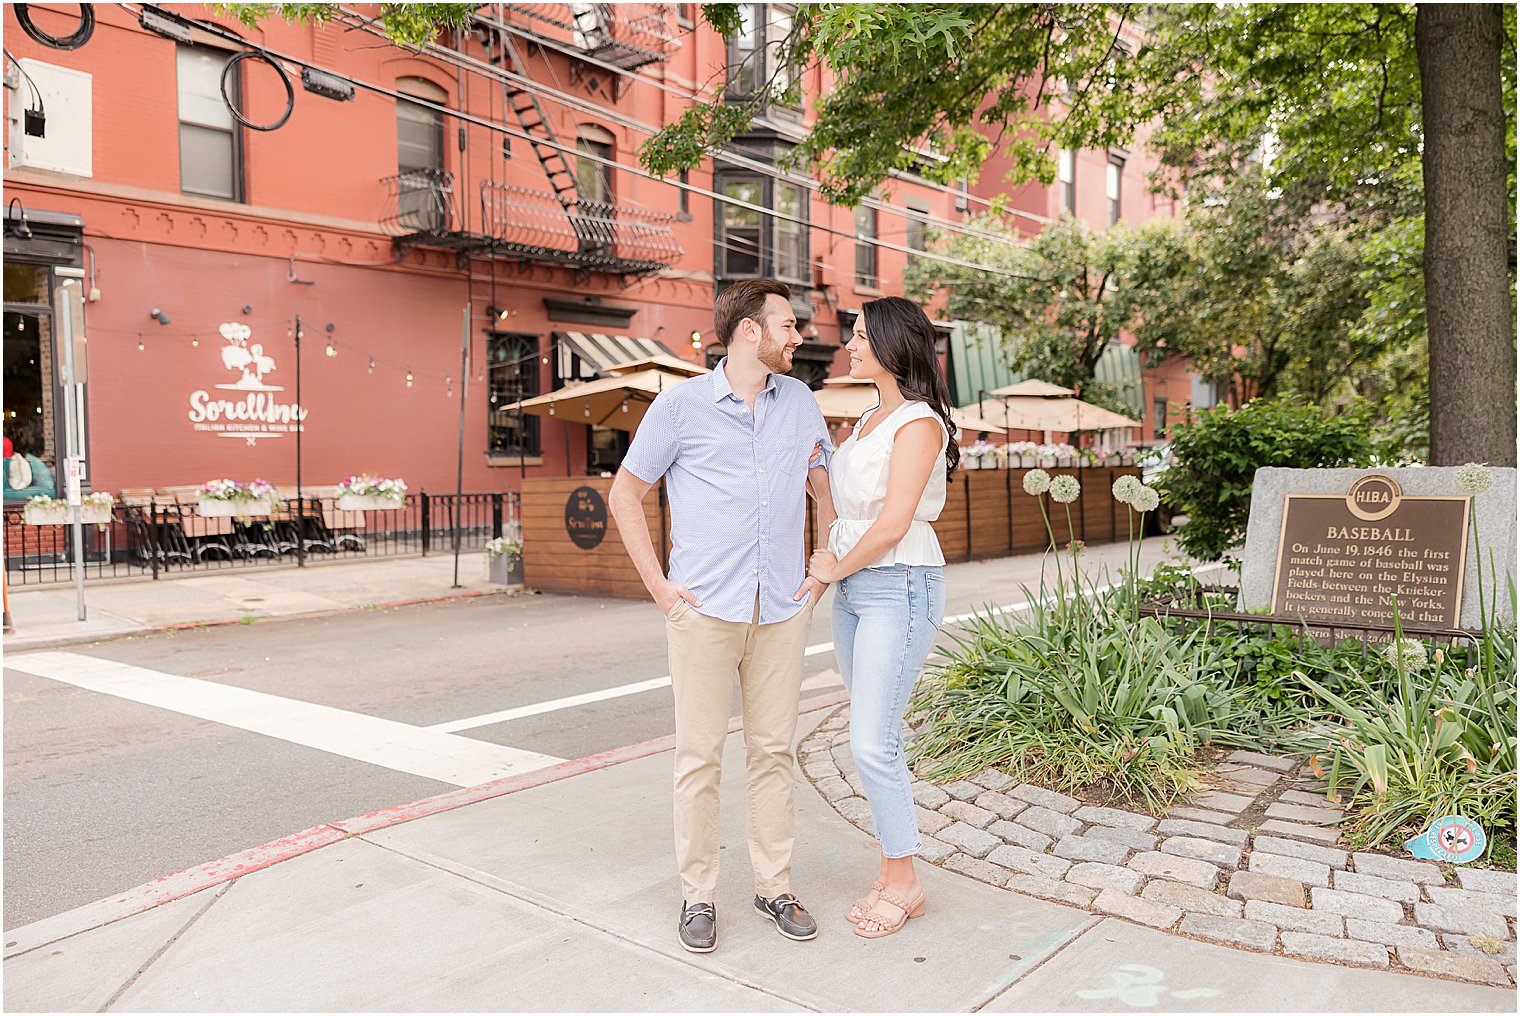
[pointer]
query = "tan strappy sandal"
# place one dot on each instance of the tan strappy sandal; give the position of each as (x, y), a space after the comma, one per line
(884, 926)
(862, 906)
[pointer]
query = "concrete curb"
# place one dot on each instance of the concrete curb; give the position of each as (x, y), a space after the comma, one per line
(22, 644)
(184, 883)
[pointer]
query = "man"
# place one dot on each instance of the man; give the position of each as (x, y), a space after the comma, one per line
(734, 447)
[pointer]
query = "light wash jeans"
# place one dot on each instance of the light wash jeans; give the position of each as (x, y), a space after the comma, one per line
(885, 620)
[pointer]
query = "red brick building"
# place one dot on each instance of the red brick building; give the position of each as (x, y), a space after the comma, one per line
(486, 188)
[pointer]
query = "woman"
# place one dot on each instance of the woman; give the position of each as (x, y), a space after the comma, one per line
(888, 481)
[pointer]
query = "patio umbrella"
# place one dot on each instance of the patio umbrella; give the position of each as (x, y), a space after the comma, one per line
(618, 402)
(844, 399)
(1068, 415)
(1032, 387)
(659, 361)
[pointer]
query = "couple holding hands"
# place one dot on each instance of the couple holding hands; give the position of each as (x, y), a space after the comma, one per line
(741, 449)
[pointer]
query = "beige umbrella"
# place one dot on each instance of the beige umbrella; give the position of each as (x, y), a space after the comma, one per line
(1036, 389)
(618, 402)
(845, 399)
(1068, 415)
(659, 361)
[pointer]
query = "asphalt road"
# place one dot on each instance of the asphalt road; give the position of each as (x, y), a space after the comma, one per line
(108, 788)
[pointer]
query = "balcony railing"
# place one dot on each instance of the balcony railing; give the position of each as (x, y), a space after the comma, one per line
(628, 35)
(419, 203)
(529, 224)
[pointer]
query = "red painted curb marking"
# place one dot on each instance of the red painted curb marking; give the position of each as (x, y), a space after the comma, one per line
(180, 884)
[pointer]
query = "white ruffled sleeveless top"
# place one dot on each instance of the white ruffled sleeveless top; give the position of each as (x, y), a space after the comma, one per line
(858, 480)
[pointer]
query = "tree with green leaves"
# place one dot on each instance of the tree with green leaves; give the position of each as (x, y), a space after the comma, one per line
(1383, 110)
(1257, 295)
(1057, 300)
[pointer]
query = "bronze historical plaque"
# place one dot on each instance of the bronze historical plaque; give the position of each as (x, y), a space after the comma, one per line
(1349, 559)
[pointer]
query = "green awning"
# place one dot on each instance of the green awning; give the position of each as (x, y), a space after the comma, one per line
(976, 361)
(977, 365)
(1119, 367)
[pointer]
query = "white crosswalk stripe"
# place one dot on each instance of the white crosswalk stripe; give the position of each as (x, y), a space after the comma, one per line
(436, 755)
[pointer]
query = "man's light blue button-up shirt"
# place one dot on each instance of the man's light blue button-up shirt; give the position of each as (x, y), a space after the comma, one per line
(737, 485)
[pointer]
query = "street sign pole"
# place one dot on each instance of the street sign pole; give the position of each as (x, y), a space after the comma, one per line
(464, 383)
(69, 300)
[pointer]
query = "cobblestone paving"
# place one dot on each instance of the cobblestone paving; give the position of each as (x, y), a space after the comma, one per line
(1253, 862)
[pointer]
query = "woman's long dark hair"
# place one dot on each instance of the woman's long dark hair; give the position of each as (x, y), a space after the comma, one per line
(902, 339)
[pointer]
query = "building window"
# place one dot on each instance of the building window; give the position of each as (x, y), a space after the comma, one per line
(29, 375)
(210, 143)
(513, 365)
(683, 200)
(423, 189)
(739, 250)
(1115, 188)
(865, 247)
(683, 15)
(1158, 420)
(755, 52)
(1068, 176)
(419, 128)
(791, 246)
(917, 221)
(751, 243)
(593, 179)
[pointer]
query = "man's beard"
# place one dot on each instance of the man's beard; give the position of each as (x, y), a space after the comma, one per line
(772, 353)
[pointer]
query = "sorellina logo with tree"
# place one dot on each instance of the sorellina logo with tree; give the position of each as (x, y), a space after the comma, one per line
(250, 361)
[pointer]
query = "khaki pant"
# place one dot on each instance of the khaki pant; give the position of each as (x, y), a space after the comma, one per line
(704, 653)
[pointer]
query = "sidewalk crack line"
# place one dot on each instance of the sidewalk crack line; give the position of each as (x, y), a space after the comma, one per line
(116, 997)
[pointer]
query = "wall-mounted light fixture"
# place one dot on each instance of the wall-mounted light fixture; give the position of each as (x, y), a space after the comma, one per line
(696, 339)
(159, 316)
(499, 313)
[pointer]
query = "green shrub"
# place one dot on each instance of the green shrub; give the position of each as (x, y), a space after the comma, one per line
(1216, 455)
(1077, 696)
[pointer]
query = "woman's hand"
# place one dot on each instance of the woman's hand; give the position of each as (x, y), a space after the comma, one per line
(822, 565)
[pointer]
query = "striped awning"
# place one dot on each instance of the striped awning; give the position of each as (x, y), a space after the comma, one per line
(582, 356)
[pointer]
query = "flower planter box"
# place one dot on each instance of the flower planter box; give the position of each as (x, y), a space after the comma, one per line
(63, 515)
(972, 463)
(242, 508)
(505, 569)
(369, 503)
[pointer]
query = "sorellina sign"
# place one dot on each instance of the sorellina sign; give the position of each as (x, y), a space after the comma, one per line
(255, 411)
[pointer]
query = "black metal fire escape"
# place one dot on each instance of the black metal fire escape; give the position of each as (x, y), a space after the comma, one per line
(558, 226)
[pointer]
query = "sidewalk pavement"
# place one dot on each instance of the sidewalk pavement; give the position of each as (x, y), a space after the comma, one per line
(557, 892)
(48, 617)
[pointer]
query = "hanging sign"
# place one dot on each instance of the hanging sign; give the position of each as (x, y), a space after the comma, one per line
(251, 409)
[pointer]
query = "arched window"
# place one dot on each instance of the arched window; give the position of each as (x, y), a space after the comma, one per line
(593, 180)
(419, 128)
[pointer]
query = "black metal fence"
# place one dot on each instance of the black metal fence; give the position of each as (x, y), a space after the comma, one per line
(170, 538)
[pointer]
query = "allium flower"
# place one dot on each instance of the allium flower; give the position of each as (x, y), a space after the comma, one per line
(1064, 489)
(1474, 478)
(1407, 654)
(1125, 488)
(1036, 481)
(1145, 500)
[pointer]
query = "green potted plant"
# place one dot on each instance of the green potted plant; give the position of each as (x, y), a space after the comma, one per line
(504, 561)
(371, 493)
(41, 510)
(229, 498)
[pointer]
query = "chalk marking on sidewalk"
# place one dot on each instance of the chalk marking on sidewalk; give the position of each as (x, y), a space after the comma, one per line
(402, 747)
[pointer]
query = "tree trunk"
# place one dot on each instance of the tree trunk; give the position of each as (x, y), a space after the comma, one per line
(1467, 290)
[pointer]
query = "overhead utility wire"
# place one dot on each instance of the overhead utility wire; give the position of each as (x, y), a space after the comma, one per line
(566, 149)
(554, 44)
(463, 60)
